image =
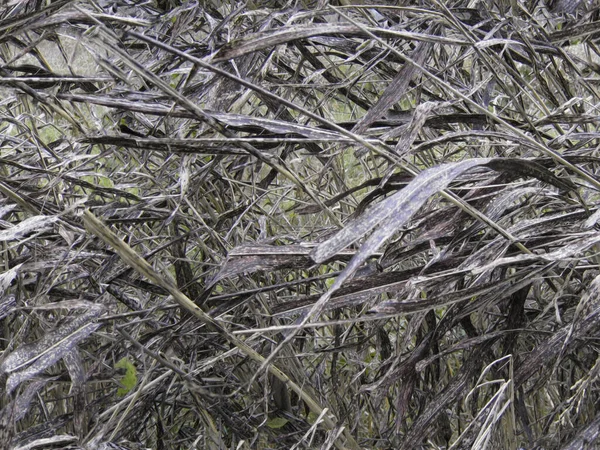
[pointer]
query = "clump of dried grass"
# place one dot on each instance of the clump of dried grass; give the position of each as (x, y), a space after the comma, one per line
(306, 225)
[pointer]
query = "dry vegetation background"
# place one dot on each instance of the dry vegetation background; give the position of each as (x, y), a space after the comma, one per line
(299, 224)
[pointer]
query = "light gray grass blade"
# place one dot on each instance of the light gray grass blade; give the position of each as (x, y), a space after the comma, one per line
(261, 257)
(399, 208)
(562, 254)
(26, 354)
(483, 292)
(410, 133)
(74, 364)
(50, 442)
(51, 355)
(7, 304)
(35, 224)
(30, 359)
(260, 41)
(585, 435)
(23, 401)
(395, 90)
(7, 277)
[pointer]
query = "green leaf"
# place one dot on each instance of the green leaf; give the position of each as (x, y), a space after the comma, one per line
(277, 422)
(129, 380)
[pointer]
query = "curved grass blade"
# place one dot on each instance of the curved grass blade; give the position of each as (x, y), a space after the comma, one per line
(29, 360)
(564, 253)
(35, 224)
(399, 208)
(252, 258)
(395, 90)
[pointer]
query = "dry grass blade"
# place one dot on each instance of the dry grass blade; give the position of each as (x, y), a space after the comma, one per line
(27, 361)
(361, 226)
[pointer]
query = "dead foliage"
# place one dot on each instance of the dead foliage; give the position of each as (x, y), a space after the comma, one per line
(301, 224)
